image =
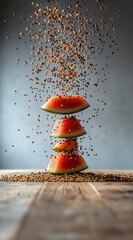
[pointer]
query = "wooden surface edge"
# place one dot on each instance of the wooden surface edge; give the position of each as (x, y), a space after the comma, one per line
(23, 171)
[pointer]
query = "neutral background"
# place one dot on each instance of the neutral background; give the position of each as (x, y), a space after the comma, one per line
(20, 147)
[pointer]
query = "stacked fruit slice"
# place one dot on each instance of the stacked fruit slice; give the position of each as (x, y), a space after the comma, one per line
(67, 160)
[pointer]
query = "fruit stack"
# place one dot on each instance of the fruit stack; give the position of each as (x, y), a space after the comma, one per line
(67, 160)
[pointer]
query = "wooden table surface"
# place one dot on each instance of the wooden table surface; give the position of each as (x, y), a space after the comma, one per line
(66, 210)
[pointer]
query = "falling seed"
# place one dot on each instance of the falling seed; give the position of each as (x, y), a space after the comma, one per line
(67, 48)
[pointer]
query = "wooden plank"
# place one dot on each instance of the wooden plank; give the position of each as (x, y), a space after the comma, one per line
(15, 201)
(86, 211)
(115, 190)
(17, 171)
(69, 211)
(114, 171)
(119, 198)
(24, 171)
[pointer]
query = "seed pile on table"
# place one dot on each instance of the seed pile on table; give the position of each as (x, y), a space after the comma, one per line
(76, 177)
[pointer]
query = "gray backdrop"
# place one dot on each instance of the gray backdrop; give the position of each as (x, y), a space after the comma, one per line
(21, 147)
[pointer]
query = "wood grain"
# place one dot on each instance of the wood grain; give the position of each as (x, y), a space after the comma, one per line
(23, 171)
(118, 197)
(66, 211)
(71, 211)
(15, 201)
